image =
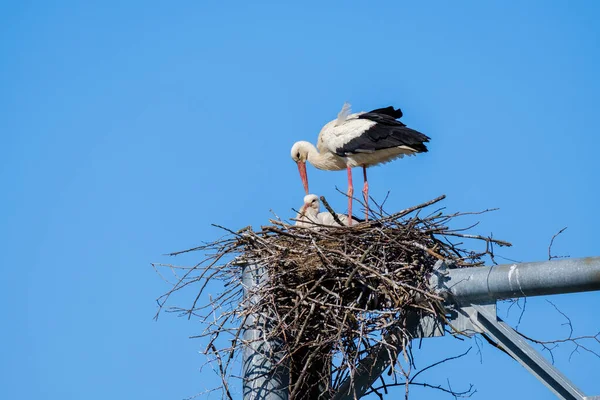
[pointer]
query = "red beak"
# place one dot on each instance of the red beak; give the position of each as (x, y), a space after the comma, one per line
(302, 170)
(303, 209)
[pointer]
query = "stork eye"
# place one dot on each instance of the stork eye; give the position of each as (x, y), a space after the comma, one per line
(298, 155)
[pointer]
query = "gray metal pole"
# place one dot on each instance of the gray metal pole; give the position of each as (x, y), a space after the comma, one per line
(526, 279)
(265, 376)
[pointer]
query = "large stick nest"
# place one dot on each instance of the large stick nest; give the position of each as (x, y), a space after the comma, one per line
(328, 295)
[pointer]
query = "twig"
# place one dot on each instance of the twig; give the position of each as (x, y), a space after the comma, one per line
(333, 213)
(550, 256)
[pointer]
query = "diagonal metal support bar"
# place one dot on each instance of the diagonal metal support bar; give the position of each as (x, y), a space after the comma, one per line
(526, 355)
(383, 354)
(369, 370)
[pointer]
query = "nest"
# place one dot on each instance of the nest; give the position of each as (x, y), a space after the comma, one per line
(329, 295)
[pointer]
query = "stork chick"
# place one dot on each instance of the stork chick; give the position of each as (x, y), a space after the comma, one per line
(309, 215)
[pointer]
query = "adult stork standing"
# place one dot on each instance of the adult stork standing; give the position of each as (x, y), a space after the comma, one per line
(362, 140)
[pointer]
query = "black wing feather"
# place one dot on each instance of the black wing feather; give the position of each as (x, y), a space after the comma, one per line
(386, 133)
(384, 119)
(391, 111)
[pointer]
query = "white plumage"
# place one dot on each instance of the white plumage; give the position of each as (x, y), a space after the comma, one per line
(310, 215)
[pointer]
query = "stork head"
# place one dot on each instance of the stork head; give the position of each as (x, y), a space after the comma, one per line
(311, 204)
(307, 216)
(299, 154)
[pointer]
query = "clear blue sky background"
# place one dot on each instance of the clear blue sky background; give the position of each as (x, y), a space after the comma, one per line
(126, 128)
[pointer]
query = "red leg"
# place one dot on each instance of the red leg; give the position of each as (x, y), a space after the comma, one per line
(366, 193)
(350, 194)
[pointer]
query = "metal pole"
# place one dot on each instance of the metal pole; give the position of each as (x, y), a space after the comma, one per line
(521, 280)
(265, 375)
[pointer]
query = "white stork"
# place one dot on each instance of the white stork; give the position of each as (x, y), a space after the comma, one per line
(309, 215)
(362, 139)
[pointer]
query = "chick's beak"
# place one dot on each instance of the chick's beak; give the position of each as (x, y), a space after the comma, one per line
(302, 170)
(303, 209)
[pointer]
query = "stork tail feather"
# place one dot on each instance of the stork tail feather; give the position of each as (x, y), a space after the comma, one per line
(344, 113)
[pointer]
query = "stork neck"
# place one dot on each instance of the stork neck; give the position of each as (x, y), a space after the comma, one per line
(325, 160)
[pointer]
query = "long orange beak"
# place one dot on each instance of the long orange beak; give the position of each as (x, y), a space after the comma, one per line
(302, 170)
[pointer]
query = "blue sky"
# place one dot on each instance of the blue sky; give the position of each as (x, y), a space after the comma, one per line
(127, 128)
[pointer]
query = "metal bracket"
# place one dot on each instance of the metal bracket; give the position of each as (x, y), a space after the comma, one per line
(462, 317)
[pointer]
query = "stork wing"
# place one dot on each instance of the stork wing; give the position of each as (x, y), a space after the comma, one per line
(385, 135)
(382, 118)
(390, 111)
